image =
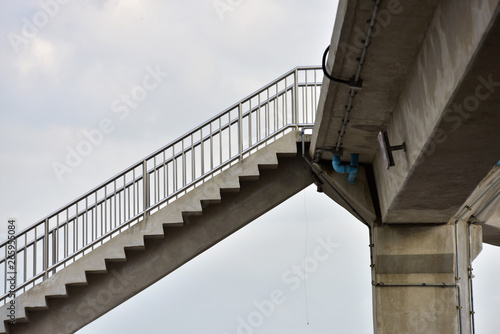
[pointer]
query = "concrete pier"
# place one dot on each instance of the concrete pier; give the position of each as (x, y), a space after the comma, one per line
(421, 277)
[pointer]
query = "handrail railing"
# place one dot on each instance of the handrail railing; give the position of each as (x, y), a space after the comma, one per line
(86, 223)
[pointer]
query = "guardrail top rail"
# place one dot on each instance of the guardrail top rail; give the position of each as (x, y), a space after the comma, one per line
(54, 242)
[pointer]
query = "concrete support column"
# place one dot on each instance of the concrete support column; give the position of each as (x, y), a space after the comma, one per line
(421, 277)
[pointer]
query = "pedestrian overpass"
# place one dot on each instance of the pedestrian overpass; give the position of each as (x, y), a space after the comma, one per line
(422, 73)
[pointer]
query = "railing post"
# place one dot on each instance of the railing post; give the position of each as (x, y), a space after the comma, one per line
(295, 97)
(145, 187)
(240, 131)
(54, 246)
(46, 250)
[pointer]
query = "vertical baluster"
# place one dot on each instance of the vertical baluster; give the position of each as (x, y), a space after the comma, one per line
(285, 102)
(268, 116)
(230, 139)
(94, 219)
(193, 160)
(127, 202)
(285, 119)
(134, 212)
(310, 89)
(101, 209)
(54, 243)
(124, 191)
(174, 167)
(240, 131)
(157, 181)
(137, 195)
(119, 209)
(211, 148)
(86, 225)
(306, 99)
(105, 222)
(66, 238)
(276, 114)
(202, 148)
(55, 236)
(165, 175)
(220, 140)
(75, 230)
(35, 246)
(145, 189)
(304, 106)
(249, 122)
(25, 257)
(113, 225)
(183, 164)
(276, 107)
(258, 119)
(315, 96)
(295, 101)
(46, 249)
(154, 180)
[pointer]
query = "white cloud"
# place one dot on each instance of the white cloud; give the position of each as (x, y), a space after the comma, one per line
(43, 56)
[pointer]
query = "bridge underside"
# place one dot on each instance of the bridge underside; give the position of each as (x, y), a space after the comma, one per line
(430, 79)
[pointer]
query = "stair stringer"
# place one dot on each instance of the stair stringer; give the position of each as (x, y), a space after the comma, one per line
(69, 312)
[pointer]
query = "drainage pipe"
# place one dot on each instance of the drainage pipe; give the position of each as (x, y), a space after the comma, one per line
(470, 276)
(457, 277)
(352, 169)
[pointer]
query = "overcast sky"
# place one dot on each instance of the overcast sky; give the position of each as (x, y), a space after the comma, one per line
(64, 72)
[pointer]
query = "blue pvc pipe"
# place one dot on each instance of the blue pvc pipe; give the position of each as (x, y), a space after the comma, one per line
(352, 169)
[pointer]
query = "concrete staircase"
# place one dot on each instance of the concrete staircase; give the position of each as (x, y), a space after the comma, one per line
(149, 250)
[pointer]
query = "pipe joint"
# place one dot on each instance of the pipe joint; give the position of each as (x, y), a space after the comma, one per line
(351, 169)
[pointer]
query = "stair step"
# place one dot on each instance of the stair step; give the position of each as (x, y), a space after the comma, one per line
(175, 214)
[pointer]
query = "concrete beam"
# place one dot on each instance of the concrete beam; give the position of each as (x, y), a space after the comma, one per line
(355, 198)
(447, 114)
(431, 80)
(400, 27)
(483, 207)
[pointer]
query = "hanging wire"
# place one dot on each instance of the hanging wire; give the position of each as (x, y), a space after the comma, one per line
(304, 260)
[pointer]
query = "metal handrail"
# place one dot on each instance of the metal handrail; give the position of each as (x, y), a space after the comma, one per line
(69, 233)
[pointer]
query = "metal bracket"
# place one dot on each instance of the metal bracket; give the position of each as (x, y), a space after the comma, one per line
(387, 149)
(333, 151)
(353, 84)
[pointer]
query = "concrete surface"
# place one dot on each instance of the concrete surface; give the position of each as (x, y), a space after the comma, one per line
(483, 207)
(355, 198)
(431, 80)
(448, 116)
(390, 57)
(424, 59)
(416, 289)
